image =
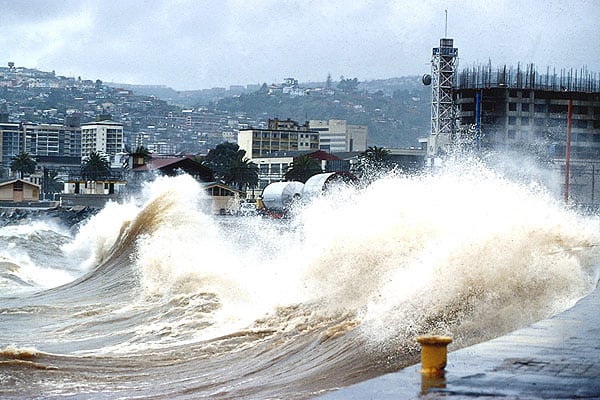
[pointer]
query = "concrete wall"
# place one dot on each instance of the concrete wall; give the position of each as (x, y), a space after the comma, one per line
(86, 200)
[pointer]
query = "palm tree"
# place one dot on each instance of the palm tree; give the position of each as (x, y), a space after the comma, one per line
(377, 155)
(241, 172)
(142, 151)
(140, 156)
(52, 182)
(302, 168)
(22, 164)
(95, 167)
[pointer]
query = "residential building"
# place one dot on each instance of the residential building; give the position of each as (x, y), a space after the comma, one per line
(52, 140)
(335, 135)
(280, 135)
(11, 142)
(105, 137)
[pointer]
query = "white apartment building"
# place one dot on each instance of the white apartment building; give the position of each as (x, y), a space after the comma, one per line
(104, 137)
(336, 136)
(52, 140)
(280, 136)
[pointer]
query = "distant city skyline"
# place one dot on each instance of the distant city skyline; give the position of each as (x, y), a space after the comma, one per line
(188, 44)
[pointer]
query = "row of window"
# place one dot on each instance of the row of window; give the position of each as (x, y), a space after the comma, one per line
(551, 122)
(273, 168)
(540, 134)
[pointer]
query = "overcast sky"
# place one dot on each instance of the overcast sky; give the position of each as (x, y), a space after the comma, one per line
(197, 44)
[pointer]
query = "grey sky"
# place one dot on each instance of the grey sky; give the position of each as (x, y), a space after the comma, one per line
(195, 44)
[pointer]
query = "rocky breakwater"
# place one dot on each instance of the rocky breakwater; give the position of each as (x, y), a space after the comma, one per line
(70, 217)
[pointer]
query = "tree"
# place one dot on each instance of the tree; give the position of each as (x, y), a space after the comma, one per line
(328, 82)
(242, 172)
(373, 161)
(22, 164)
(141, 150)
(302, 168)
(95, 167)
(378, 155)
(231, 165)
(52, 182)
(348, 85)
(219, 158)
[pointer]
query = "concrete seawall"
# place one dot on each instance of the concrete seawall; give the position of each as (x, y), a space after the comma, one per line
(557, 358)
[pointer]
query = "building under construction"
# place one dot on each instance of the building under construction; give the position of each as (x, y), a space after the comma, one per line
(554, 116)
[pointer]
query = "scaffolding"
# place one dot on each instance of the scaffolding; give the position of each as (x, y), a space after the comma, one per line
(571, 80)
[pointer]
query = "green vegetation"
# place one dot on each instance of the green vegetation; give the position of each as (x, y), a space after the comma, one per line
(23, 164)
(372, 162)
(231, 166)
(378, 155)
(219, 158)
(142, 151)
(241, 172)
(302, 168)
(95, 167)
(52, 182)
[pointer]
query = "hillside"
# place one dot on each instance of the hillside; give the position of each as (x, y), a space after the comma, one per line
(397, 111)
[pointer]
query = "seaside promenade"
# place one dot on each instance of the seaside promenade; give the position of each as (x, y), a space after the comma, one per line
(557, 358)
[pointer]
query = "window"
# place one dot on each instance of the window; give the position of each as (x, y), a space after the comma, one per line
(557, 108)
(512, 134)
(524, 121)
(525, 107)
(512, 120)
(512, 106)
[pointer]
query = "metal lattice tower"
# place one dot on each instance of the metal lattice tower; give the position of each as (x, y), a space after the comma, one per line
(443, 68)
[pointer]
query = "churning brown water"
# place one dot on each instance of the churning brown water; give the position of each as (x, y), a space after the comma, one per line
(157, 299)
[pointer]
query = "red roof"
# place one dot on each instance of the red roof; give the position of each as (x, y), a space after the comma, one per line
(322, 155)
(158, 163)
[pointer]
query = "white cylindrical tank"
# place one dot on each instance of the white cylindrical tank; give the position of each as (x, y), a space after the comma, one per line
(279, 195)
(317, 184)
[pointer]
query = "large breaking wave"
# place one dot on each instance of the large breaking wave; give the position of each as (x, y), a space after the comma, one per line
(165, 300)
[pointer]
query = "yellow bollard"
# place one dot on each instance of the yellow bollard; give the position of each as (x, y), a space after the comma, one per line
(433, 354)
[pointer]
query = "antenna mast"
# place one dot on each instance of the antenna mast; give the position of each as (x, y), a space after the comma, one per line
(443, 67)
(446, 26)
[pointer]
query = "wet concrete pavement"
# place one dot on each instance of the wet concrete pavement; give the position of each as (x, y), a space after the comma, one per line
(557, 358)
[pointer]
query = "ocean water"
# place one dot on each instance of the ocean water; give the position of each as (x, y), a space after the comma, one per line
(156, 299)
